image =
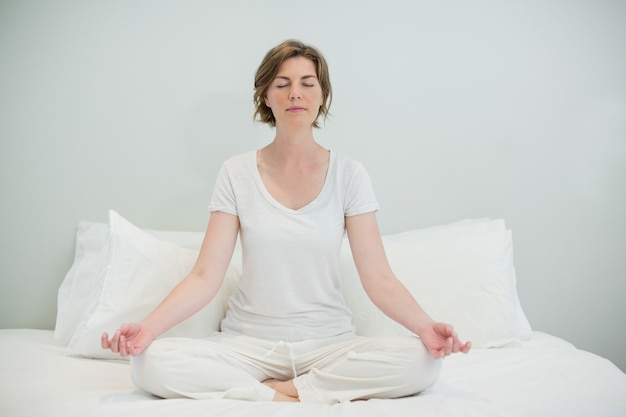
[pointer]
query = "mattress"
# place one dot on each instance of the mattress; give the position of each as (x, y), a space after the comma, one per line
(544, 376)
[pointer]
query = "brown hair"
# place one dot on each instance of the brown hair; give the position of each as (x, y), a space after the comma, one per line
(266, 73)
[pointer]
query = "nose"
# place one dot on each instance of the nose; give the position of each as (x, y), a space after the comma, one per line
(294, 93)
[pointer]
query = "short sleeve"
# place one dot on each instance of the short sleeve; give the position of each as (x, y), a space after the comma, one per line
(360, 197)
(223, 198)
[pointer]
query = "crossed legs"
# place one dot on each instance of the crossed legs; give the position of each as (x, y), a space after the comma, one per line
(326, 371)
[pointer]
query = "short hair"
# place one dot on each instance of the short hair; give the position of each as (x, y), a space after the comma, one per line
(267, 71)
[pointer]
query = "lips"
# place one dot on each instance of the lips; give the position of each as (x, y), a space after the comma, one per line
(295, 109)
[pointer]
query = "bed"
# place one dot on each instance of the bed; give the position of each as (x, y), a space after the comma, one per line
(462, 273)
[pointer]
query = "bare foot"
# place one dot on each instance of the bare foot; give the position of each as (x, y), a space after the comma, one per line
(280, 397)
(285, 390)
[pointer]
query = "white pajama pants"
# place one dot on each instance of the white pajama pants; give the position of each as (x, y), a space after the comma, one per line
(324, 371)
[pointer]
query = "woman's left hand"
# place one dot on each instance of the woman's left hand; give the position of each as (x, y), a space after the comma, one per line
(441, 340)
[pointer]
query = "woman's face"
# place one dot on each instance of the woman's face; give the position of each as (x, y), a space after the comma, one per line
(295, 96)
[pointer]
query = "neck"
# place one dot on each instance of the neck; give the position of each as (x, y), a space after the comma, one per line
(293, 147)
(294, 133)
(294, 143)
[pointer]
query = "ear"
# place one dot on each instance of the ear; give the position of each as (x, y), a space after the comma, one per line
(267, 102)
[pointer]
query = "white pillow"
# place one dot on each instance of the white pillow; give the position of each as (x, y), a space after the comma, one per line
(136, 273)
(189, 240)
(460, 251)
(73, 294)
(464, 277)
(460, 228)
(75, 291)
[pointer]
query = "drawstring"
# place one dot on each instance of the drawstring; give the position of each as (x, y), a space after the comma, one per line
(289, 347)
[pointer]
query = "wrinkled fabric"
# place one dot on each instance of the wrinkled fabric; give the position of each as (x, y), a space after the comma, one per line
(326, 371)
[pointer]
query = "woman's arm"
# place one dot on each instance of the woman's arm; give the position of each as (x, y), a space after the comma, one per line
(190, 295)
(389, 294)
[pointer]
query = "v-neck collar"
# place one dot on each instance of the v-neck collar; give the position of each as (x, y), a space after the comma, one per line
(270, 198)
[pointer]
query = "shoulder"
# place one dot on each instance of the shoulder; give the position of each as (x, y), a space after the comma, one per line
(237, 165)
(356, 187)
(242, 159)
(346, 163)
(347, 167)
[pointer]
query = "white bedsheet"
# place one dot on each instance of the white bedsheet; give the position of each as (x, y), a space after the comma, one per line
(545, 377)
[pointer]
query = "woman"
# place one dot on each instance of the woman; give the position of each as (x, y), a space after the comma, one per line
(287, 335)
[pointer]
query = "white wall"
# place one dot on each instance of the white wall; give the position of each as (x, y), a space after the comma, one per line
(457, 108)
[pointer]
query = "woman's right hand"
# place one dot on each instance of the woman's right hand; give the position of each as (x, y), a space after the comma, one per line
(130, 339)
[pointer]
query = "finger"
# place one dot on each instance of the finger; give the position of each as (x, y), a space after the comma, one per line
(115, 342)
(466, 347)
(104, 340)
(134, 350)
(123, 351)
(456, 345)
(437, 354)
(449, 346)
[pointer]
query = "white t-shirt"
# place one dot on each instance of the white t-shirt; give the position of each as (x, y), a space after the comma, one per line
(290, 287)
